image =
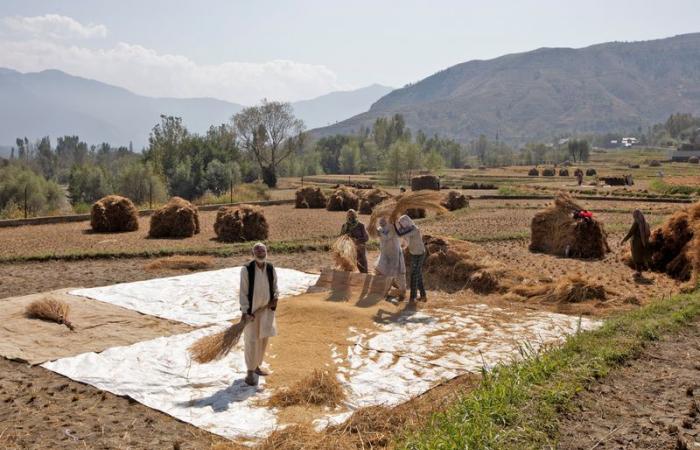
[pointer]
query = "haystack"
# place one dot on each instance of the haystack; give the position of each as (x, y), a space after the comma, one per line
(342, 199)
(569, 289)
(533, 172)
(455, 265)
(556, 232)
(455, 200)
(548, 173)
(114, 213)
(178, 218)
(591, 172)
(674, 247)
(577, 172)
(240, 223)
(654, 163)
(319, 388)
(310, 197)
(370, 199)
(693, 160)
(614, 181)
(633, 166)
(425, 182)
(563, 172)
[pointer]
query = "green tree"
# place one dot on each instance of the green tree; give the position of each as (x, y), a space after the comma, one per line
(139, 182)
(87, 184)
(413, 160)
(350, 158)
(218, 177)
(166, 150)
(480, 148)
(434, 161)
(42, 196)
(329, 150)
(395, 162)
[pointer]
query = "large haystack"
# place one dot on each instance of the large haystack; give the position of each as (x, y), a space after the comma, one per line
(674, 247)
(342, 199)
(454, 200)
(310, 197)
(453, 265)
(240, 223)
(178, 218)
(694, 160)
(563, 172)
(425, 182)
(654, 163)
(114, 213)
(533, 172)
(548, 173)
(371, 198)
(556, 232)
(591, 172)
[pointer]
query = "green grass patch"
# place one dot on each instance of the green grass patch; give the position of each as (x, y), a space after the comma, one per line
(664, 188)
(516, 405)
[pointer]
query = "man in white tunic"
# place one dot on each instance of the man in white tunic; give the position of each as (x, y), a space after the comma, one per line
(258, 299)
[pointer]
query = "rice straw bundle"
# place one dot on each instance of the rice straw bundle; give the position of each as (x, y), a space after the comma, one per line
(216, 346)
(50, 309)
(393, 208)
(319, 388)
(344, 253)
(569, 289)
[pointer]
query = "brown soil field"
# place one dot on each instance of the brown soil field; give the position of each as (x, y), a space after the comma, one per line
(652, 403)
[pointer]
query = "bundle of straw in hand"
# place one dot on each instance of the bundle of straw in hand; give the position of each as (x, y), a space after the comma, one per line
(344, 253)
(395, 207)
(50, 309)
(216, 346)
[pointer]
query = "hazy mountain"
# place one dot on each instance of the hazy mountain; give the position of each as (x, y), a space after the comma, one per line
(330, 108)
(541, 93)
(54, 103)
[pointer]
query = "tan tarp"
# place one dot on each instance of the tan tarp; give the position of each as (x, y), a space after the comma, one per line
(98, 326)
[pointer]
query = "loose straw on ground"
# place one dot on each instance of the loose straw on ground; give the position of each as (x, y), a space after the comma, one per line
(51, 310)
(319, 388)
(216, 346)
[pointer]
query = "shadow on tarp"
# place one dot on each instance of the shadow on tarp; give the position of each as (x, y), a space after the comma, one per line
(220, 400)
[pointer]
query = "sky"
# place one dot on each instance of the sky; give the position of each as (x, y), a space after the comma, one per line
(243, 51)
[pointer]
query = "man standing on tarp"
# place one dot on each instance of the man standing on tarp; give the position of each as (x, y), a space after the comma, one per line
(258, 299)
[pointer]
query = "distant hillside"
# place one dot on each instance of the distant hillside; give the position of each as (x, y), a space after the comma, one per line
(549, 91)
(54, 103)
(330, 108)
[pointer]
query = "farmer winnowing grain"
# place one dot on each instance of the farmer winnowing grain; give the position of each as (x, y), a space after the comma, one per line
(391, 263)
(411, 234)
(639, 233)
(357, 232)
(258, 288)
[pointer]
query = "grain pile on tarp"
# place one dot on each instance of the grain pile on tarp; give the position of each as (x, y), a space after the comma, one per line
(563, 172)
(455, 200)
(342, 199)
(395, 207)
(569, 289)
(548, 173)
(240, 223)
(319, 388)
(556, 232)
(114, 213)
(344, 254)
(674, 247)
(178, 218)
(310, 197)
(591, 172)
(455, 265)
(533, 172)
(425, 182)
(370, 199)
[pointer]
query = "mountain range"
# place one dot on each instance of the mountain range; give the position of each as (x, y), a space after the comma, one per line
(611, 87)
(54, 103)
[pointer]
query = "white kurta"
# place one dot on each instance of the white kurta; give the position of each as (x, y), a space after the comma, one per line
(258, 331)
(391, 262)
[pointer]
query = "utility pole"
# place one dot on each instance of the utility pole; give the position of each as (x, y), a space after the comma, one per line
(150, 194)
(25, 200)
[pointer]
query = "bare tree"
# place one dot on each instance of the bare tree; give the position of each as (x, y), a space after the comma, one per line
(271, 133)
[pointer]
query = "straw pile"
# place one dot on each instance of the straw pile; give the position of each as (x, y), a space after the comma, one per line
(344, 254)
(674, 247)
(654, 163)
(614, 181)
(548, 173)
(556, 232)
(319, 388)
(563, 172)
(577, 172)
(178, 218)
(240, 223)
(423, 182)
(533, 172)
(181, 262)
(693, 160)
(342, 199)
(310, 197)
(114, 213)
(454, 200)
(370, 199)
(50, 309)
(591, 172)
(395, 207)
(457, 265)
(569, 289)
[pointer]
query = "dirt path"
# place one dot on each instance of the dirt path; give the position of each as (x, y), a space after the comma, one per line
(652, 403)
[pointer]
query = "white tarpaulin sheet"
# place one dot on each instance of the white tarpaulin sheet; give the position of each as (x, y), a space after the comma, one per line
(382, 366)
(159, 374)
(201, 298)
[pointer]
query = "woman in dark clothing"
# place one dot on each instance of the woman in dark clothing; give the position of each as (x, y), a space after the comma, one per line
(357, 232)
(639, 233)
